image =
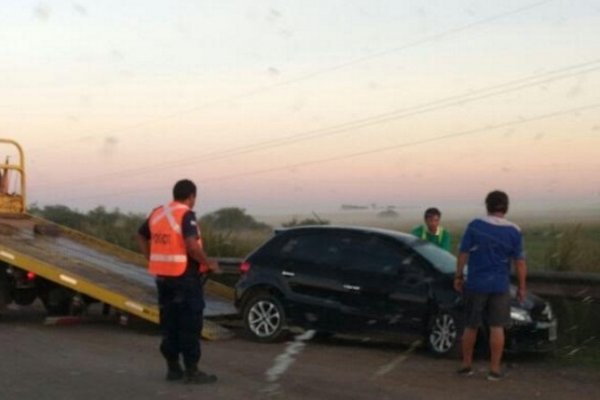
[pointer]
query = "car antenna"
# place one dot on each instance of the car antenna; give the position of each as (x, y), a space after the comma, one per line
(317, 217)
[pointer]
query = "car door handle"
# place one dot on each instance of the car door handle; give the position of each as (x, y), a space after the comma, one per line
(352, 287)
(287, 273)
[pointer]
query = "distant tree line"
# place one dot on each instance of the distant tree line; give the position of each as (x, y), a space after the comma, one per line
(120, 228)
(113, 226)
(227, 232)
(231, 218)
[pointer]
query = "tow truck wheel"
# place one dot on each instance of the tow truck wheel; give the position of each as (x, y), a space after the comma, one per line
(264, 318)
(57, 301)
(5, 297)
(25, 297)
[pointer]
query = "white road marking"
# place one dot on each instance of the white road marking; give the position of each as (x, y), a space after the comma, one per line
(285, 360)
(398, 360)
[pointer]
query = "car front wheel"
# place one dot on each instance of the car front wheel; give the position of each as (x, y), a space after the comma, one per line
(264, 318)
(444, 335)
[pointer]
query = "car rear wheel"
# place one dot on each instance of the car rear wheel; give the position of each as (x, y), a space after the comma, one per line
(264, 318)
(444, 335)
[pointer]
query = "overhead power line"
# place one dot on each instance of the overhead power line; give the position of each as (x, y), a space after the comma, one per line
(502, 125)
(261, 89)
(427, 107)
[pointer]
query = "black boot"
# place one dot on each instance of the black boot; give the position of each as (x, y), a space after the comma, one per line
(174, 371)
(194, 376)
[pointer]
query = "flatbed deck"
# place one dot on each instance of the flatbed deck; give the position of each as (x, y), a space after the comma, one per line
(98, 269)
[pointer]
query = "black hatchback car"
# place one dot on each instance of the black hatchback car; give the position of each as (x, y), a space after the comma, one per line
(355, 280)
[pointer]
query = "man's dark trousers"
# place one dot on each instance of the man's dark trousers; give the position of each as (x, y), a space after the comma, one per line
(181, 303)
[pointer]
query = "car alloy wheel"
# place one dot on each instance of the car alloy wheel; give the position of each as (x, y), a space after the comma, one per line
(443, 334)
(264, 318)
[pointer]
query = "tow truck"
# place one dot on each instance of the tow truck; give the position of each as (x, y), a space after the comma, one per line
(69, 270)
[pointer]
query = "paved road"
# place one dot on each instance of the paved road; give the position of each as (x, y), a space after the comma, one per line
(102, 360)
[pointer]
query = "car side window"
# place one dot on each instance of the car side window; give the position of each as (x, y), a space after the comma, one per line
(314, 248)
(369, 254)
(411, 264)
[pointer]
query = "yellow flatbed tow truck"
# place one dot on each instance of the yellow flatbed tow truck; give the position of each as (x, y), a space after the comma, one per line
(67, 269)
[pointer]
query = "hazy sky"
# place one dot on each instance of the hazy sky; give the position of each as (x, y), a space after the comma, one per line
(290, 106)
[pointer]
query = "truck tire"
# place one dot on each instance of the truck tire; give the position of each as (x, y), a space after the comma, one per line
(25, 297)
(5, 297)
(57, 300)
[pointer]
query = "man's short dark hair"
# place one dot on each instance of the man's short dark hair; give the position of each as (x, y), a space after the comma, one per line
(496, 201)
(183, 189)
(432, 212)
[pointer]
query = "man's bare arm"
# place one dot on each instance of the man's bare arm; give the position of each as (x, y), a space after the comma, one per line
(197, 253)
(459, 279)
(521, 271)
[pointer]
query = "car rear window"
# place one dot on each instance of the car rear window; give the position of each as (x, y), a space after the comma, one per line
(313, 247)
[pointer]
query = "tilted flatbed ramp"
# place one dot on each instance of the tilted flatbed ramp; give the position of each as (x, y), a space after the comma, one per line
(98, 269)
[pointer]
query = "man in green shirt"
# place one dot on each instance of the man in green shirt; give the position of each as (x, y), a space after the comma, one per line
(431, 229)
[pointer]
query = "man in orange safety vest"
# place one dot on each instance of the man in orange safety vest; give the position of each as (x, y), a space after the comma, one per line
(170, 240)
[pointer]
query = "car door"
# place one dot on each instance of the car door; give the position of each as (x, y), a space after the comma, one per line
(411, 295)
(308, 266)
(383, 287)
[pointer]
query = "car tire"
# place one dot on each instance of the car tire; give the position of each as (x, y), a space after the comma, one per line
(444, 335)
(323, 335)
(264, 318)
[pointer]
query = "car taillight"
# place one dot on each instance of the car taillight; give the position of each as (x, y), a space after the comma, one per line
(244, 267)
(30, 276)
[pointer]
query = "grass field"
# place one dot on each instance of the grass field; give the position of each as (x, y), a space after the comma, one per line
(564, 247)
(557, 241)
(579, 332)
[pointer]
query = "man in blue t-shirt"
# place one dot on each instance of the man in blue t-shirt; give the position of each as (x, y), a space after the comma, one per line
(490, 245)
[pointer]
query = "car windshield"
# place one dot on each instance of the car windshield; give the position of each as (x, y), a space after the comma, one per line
(441, 259)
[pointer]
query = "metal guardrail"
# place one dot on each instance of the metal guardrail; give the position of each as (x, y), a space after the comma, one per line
(230, 265)
(565, 284)
(570, 285)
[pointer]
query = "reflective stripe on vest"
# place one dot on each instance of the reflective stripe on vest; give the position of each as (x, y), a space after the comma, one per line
(168, 254)
(167, 212)
(168, 258)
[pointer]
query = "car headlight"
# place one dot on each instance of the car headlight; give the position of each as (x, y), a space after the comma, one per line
(519, 315)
